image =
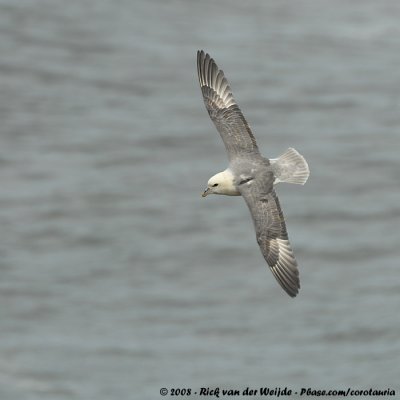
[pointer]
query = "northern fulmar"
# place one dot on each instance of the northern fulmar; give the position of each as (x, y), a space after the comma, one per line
(250, 175)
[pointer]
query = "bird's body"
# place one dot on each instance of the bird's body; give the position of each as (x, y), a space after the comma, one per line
(250, 175)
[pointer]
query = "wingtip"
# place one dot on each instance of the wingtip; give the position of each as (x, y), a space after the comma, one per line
(204, 57)
(291, 288)
(201, 54)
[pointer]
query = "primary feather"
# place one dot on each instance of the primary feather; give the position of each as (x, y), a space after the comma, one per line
(222, 108)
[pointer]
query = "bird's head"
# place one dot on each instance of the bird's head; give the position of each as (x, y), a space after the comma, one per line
(214, 185)
(221, 183)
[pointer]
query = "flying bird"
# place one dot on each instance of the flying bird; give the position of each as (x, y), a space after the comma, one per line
(250, 175)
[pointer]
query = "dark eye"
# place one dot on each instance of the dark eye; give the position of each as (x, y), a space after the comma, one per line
(215, 185)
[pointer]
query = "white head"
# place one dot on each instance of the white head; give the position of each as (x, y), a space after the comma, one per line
(221, 183)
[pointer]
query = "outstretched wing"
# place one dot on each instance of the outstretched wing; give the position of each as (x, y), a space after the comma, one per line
(222, 108)
(271, 232)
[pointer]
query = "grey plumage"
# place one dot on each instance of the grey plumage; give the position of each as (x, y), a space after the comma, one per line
(254, 175)
(223, 110)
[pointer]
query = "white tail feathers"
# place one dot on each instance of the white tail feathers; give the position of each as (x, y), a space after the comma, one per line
(290, 167)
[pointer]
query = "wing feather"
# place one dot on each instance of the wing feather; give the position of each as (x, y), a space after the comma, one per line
(223, 110)
(271, 233)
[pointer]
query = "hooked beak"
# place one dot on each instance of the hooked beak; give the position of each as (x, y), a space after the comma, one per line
(206, 192)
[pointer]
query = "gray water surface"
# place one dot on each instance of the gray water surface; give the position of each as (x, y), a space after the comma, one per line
(117, 278)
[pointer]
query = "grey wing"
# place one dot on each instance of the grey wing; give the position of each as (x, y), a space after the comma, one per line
(222, 108)
(271, 234)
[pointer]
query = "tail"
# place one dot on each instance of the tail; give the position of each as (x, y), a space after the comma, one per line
(290, 167)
